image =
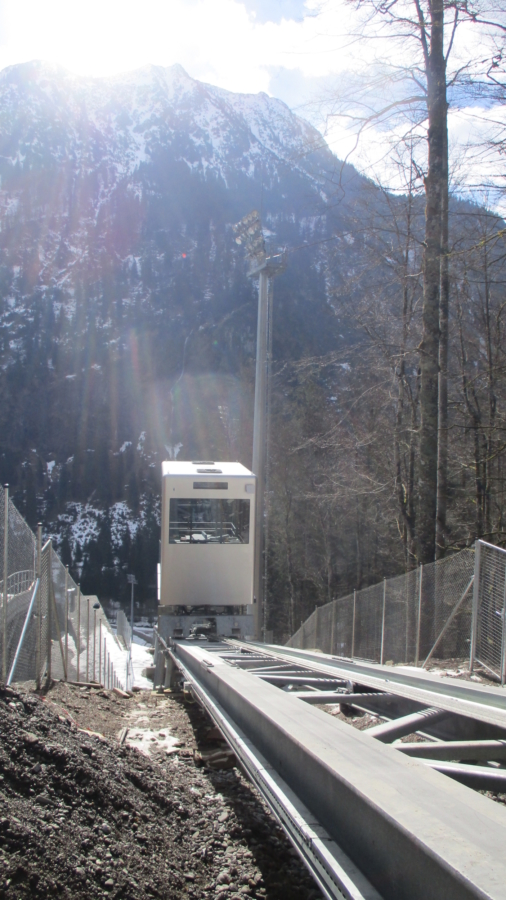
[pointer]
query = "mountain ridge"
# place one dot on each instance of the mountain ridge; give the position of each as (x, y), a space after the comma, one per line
(127, 321)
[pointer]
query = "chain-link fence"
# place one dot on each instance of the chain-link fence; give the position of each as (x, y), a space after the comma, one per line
(489, 610)
(123, 630)
(48, 628)
(405, 619)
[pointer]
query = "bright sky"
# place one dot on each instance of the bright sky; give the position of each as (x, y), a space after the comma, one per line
(296, 50)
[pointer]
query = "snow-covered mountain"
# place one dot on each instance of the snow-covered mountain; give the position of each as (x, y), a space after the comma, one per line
(127, 322)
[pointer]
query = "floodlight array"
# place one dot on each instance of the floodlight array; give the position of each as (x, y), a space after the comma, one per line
(249, 232)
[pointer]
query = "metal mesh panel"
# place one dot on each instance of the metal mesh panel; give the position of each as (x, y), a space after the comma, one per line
(16, 592)
(18, 610)
(490, 630)
(451, 577)
(22, 544)
(123, 629)
(401, 609)
(75, 644)
(368, 618)
(342, 626)
(423, 611)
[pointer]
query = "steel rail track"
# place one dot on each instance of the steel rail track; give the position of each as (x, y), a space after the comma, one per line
(367, 820)
(481, 702)
(332, 870)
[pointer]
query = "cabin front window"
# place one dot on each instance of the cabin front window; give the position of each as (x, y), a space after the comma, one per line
(209, 521)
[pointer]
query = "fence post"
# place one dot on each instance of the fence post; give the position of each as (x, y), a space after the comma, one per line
(100, 648)
(105, 644)
(87, 640)
(353, 624)
(78, 642)
(382, 653)
(419, 616)
(406, 581)
(67, 622)
(476, 600)
(6, 570)
(94, 642)
(38, 651)
(503, 647)
(333, 627)
(49, 614)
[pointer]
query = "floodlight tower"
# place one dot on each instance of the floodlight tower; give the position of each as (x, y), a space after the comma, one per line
(249, 232)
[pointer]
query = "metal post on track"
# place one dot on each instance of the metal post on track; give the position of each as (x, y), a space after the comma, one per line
(419, 614)
(49, 615)
(105, 660)
(38, 649)
(315, 639)
(353, 624)
(476, 600)
(6, 574)
(78, 641)
(382, 652)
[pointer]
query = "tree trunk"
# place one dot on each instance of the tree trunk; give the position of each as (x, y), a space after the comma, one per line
(444, 302)
(429, 362)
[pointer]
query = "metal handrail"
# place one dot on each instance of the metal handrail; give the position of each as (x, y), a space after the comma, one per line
(18, 582)
(23, 633)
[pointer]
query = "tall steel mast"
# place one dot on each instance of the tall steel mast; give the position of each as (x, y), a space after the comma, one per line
(249, 232)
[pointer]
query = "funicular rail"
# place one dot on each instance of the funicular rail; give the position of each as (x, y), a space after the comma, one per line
(368, 821)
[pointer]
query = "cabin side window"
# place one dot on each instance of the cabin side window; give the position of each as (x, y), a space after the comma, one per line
(208, 521)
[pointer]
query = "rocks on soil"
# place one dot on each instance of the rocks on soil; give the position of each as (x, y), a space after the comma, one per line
(83, 817)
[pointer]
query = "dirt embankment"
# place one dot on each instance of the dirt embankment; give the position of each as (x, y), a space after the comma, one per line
(82, 816)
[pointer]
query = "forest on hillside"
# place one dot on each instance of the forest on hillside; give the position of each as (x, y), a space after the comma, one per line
(344, 451)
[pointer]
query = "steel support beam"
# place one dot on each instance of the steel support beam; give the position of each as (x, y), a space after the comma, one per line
(481, 702)
(390, 731)
(324, 697)
(480, 778)
(456, 750)
(411, 831)
(281, 680)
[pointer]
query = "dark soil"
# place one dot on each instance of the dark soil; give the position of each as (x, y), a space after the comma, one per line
(82, 816)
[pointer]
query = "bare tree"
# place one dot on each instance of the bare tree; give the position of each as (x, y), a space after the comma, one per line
(415, 94)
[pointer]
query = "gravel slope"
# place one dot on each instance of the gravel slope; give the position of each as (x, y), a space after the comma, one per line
(82, 816)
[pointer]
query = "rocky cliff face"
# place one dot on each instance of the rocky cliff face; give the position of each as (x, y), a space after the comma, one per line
(127, 321)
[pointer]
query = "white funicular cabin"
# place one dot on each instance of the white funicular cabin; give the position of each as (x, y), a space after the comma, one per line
(207, 549)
